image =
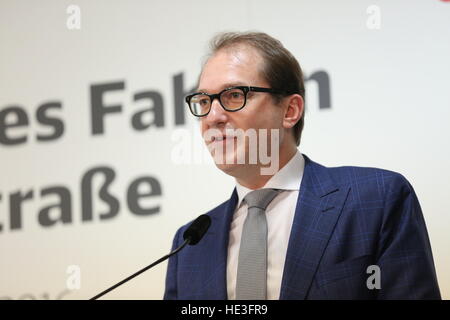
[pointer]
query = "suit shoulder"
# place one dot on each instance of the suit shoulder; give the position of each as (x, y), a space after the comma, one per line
(218, 210)
(374, 188)
(356, 175)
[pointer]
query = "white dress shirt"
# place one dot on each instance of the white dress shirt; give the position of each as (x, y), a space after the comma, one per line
(280, 216)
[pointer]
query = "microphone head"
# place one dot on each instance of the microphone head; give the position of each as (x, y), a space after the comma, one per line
(197, 229)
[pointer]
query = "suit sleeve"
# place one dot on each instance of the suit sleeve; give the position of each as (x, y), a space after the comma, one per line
(170, 292)
(404, 253)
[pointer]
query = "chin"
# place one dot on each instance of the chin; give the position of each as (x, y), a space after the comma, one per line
(228, 162)
(230, 169)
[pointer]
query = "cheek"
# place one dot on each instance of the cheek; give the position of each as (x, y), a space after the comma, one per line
(268, 117)
(276, 118)
(203, 127)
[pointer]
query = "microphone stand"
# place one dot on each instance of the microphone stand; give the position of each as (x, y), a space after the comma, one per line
(142, 270)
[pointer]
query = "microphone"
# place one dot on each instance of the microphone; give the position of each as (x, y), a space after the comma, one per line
(193, 234)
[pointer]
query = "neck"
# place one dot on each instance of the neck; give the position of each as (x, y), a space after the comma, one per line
(252, 177)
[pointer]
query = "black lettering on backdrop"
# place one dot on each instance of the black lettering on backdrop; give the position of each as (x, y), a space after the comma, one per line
(155, 110)
(87, 193)
(133, 195)
(43, 118)
(15, 118)
(59, 211)
(15, 203)
(178, 98)
(63, 206)
(19, 119)
(41, 296)
(323, 84)
(98, 109)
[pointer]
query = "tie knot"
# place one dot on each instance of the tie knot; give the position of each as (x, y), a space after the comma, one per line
(261, 198)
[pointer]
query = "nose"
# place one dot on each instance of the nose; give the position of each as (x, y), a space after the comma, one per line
(217, 116)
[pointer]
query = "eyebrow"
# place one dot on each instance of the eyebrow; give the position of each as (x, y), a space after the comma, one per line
(226, 85)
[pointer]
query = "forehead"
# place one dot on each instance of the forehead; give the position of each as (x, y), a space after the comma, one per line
(233, 66)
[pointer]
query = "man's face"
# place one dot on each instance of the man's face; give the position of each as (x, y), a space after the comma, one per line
(237, 67)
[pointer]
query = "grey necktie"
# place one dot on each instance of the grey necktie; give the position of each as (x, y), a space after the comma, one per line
(251, 281)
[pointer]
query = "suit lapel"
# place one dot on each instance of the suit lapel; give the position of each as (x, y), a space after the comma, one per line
(319, 205)
(221, 221)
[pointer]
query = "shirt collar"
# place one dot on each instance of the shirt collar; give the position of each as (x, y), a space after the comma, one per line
(287, 178)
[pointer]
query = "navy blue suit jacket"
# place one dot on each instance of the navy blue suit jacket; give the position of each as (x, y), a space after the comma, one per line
(346, 219)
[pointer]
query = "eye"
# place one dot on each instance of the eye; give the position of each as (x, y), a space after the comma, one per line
(200, 99)
(236, 95)
(204, 101)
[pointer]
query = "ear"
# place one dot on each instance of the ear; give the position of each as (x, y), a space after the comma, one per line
(294, 110)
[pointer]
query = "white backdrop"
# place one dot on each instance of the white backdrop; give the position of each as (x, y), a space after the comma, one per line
(388, 68)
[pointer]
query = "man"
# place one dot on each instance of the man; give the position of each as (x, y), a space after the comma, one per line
(303, 231)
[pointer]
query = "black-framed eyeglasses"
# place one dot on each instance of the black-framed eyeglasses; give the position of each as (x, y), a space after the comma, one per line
(231, 99)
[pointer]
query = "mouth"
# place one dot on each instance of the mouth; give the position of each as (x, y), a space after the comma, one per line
(221, 139)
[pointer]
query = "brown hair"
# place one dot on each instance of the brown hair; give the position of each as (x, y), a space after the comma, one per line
(280, 69)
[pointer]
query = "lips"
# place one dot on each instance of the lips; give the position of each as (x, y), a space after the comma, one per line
(221, 138)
